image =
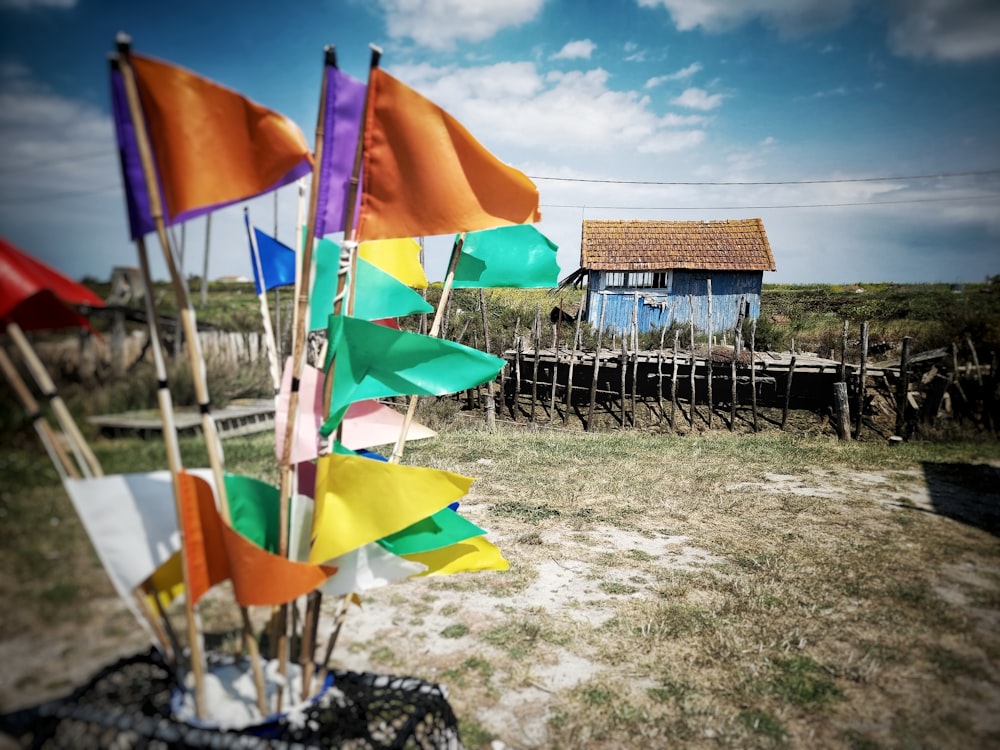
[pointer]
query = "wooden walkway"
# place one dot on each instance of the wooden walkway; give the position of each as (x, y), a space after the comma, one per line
(232, 421)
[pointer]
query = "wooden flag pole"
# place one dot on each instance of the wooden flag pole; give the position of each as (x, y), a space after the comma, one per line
(187, 314)
(449, 280)
(50, 440)
(89, 464)
(174, 463)
(265, 312)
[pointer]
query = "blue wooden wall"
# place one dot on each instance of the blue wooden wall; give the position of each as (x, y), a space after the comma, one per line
(661, 307)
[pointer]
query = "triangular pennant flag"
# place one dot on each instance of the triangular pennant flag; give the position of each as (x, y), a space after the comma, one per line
(362, 569)
(254, 507)
(517, 256)
(359, 501)
(167, 582)
(373, 361)
(425, 174)
(399, 258)
(367, 423)
(377, 294)
(276, 260)
(344, 107)
(470, 556)
(444, 528)
(215, 552)
(212, 146)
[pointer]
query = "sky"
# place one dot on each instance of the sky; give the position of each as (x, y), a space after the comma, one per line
(866, 135)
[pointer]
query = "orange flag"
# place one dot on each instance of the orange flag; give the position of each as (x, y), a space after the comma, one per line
(425, 174)
(213, 146)
(215, 552)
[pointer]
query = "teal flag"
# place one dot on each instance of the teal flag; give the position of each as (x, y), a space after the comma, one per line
(377, 295)
(254, 507)
(374, 361)
(517, 256)
(434, 532)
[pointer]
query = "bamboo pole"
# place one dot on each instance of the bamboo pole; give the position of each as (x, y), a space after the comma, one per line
(50, 440)
(186, 313)
(89, 464)
(265, 313)
(449, 280)
(203, 290)
(597, 365)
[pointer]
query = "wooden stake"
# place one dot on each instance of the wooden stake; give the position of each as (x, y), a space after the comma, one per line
(788, 392)
(623, 368)
(572, 360)
(903, 386)
(597, 365)
(673, 381)
(862, 372)
(843, 353)
(491, 410)
(536, 335)
(843, 410)
(692, 363)
(709, 361)
(753, 371)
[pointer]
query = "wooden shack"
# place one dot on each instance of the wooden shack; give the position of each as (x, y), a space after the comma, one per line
(658, 272)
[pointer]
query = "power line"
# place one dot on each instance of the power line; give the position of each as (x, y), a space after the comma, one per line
(969, 198)
(774, 182)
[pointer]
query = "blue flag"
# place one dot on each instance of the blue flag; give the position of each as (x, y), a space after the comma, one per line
(277, 260)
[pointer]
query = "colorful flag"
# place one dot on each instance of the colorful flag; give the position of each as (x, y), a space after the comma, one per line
(517, 256)
(361, 569)
(399, 258)
(215, 552)
(373, 361)
(255, 510)
(425, 174)
(359, 501)
(366, 424)
(212, 146)
(276, 260)
(444, 528)
(344, 107)
(470, 556)
(376, 293)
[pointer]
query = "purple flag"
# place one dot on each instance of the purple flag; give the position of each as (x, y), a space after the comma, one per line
(344, 106)
(136, 197)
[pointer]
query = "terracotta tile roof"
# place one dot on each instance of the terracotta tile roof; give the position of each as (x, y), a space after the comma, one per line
(729, 245)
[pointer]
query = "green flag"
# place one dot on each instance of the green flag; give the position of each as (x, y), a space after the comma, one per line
(517, 256)
(254, 508)
(377, 294)
(440, 530)
(374, 361)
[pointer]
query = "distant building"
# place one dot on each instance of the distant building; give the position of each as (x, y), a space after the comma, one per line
(658, 272)
(234, 279)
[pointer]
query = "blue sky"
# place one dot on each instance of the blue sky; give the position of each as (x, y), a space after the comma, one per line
(619, 109)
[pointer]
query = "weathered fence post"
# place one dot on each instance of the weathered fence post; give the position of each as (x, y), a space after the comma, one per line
(753, 372)
(673, 383)
(788, 392)
(861, 379)
(843, 353)
(709, 362)
(843, 410)
(537, 336)
(490, 406)
(572, 360)
(903, 387)
(597, 365)
(691, 360)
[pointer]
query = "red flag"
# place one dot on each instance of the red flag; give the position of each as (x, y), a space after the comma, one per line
(212, 145)
(425, 174)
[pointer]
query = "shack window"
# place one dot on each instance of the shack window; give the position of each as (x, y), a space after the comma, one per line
(616, 280)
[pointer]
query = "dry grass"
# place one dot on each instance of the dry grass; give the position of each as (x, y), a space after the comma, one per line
(700, 591)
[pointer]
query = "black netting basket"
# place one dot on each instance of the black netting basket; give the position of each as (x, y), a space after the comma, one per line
(127, 705)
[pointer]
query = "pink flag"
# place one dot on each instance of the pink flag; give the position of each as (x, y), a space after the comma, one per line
(367, 424)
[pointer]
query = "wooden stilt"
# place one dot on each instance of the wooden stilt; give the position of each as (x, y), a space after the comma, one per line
(572, 360)
(490, 407)
(753, 372)
(597, 367)
(709, 360)
(691, 411)
(862, 373)
(673, 382)
(788, 392)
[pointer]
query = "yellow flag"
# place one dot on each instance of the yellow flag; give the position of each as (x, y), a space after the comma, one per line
(465, 557)
(360, 500)
(399, 258)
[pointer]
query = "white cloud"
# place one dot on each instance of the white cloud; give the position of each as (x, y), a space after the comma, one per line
(679, 75)
(516, 109)
(579, 50)
(439, 24)
(953, 30)
(789, 17)
(695, 98)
